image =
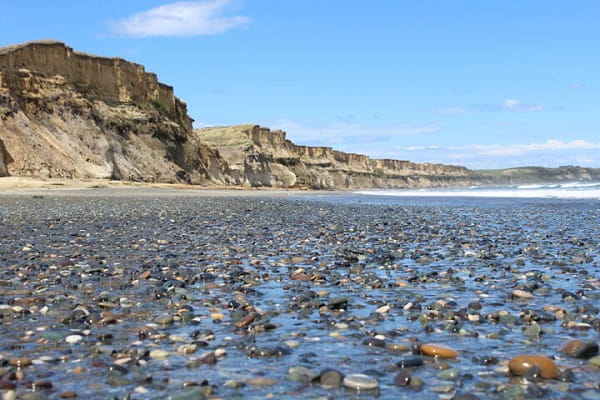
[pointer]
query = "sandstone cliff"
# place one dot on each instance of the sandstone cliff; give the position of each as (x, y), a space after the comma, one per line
(260, 157)
(65, 114)
(73, 115)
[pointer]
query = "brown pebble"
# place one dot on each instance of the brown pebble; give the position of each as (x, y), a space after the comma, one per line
(438, 350)
(68, 395)
(246, 321)
(261, 382)
(519, 365)
(300, 276)
(20, 362)
(78, 370)
(145, 275)
(580, 348)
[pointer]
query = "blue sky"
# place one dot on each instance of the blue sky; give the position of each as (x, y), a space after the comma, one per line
(486, 84)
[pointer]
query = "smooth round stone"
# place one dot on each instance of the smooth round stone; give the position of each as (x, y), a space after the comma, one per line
(580, 348)
(360, 382)
(73, 339)
(164, 319)
(449, 374)
(413, 362)
(522, 294)
(402, 378)
(261, 382)
(331, 378)
(301, 374)
(159, 354)
(438, 350)
(519, 365)
(20, 362)
(594, 361)
(401, 348)
(9, 395)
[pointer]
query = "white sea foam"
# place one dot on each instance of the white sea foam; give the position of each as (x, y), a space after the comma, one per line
(571, 190)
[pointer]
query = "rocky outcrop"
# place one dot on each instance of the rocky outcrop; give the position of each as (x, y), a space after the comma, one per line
(73, 115)
(258, 157)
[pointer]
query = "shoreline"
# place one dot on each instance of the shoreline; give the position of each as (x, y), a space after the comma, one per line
(38, 186)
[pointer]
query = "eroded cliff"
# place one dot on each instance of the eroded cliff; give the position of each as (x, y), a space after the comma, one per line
(73, 115)
(258, 156)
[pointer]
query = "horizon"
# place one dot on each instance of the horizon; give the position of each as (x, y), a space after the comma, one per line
(485, 86)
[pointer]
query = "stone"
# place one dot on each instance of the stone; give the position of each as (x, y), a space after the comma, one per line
(449, 374)
(73, 339)
(519, 365)
(594, 361)
(521, 294)
(159, 354)
(412, 362)
(580, 348)
(438, 350)
(360, 382)
(20, 362)
(261, 382)
(402, 378)
(331, 379)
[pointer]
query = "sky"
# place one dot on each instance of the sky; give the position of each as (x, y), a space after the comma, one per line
(484, 84)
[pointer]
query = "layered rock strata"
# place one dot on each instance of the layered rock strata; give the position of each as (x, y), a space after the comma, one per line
(258, 156)
(73, 115)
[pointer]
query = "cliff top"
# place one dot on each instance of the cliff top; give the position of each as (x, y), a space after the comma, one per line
(54, 43)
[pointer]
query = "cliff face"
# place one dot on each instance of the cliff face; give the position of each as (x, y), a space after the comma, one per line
(258, 156)
(72, 115)
(66, 114)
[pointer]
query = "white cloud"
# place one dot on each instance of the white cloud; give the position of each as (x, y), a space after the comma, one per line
(185, 18)
(515, 105)
(348, 136)
(518, 149)
(550, 153)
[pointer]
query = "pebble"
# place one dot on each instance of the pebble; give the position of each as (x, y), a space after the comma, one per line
(594, 361)
(159, 354)
(159, 280)
(20, 362)
(522, 294)
(519, 365)
(580, 348)
(412, 362)
(331, 379)
(360, 382)
(449, 374)
(261, 382)
(73, 339)
(402, 378)
(438, 350)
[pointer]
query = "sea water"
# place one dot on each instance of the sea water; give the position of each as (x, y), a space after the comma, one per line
(570, 190)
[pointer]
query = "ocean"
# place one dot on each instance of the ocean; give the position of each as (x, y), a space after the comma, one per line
(570, 190)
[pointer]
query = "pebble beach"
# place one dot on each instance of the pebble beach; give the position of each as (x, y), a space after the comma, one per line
(183, 294)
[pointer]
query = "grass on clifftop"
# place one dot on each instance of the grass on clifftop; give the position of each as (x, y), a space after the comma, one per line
(224, 136)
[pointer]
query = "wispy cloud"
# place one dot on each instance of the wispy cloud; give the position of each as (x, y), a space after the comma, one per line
(549, 153)
(512, 105)
(349, 136)
(185, 18)
(516, 105)
(519, 149)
